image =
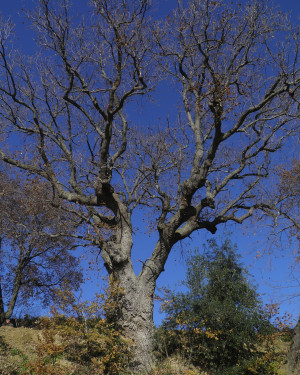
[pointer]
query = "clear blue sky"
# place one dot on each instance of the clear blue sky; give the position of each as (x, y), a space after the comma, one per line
(269, 272)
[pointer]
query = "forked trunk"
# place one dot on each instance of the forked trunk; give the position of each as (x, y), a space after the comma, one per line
(130, 305)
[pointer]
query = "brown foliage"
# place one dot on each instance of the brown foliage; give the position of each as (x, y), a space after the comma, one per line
(83, 338)
(36, 244)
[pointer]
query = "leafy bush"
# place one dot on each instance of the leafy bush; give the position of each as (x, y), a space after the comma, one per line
(219, 323)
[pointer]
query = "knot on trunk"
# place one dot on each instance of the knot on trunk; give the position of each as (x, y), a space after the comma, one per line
(187, 211)
(115, 257)
(103, 191)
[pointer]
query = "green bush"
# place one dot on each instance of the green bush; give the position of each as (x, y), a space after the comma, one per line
(219, 323)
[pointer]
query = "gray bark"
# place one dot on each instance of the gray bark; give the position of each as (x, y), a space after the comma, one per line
(294, 352)
(130, 308)
(136, 320)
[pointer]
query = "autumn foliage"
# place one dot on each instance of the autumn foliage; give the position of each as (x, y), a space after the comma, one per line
(82, 341)
(36, 244)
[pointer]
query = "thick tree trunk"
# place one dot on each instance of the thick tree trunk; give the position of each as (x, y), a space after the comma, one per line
(13, 298)
(134, 314)
(131, 308)
(294, 352)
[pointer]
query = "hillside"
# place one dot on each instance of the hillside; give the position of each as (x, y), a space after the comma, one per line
(18, 346)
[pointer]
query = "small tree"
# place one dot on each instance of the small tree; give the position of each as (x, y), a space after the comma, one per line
(289, 200)
(35, 245)
(220, 318)
(290, 206)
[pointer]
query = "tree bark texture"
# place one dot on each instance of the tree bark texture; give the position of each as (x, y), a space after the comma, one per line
(294, 352)
(135, 312)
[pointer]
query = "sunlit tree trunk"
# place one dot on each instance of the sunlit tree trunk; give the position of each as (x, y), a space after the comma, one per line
(130, 303)
(134, 315)
(294, 353)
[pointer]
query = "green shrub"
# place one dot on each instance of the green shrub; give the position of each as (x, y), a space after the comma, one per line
(219, 322)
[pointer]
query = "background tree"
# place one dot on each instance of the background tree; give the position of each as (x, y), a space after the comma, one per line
(289, 193)
(36, 245)
(219, 319)
(71, 107)
(290, 207)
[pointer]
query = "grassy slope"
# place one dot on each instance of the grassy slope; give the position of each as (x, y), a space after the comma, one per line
(18, 345)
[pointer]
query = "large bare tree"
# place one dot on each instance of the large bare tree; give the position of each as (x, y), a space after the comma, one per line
(233, 74)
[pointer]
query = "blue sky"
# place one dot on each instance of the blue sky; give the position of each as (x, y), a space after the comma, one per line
(271, 273)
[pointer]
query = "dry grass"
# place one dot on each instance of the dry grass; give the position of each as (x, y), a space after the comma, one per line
(22, 339)
(17, 345)
(176, 366)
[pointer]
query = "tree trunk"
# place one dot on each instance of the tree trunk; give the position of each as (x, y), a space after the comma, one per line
(294, 352)
(13, 299)
(131, 309)
(130, 304)
(138, 325)
(2, 313)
